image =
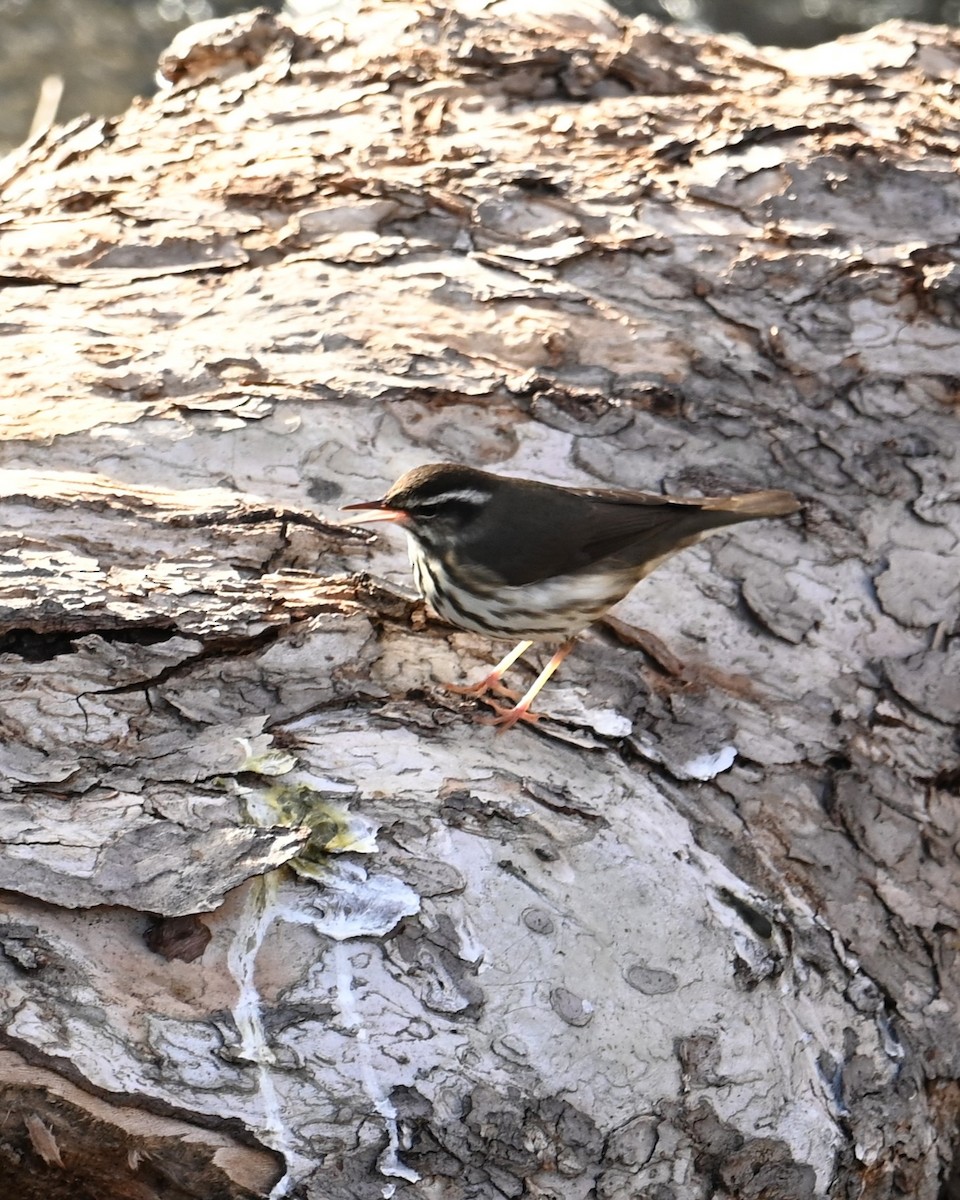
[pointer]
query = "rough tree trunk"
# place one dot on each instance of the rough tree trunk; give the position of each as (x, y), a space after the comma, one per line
(696, 936)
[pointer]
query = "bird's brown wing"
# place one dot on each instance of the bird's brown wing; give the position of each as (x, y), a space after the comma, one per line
(588, 529)
(634, 528)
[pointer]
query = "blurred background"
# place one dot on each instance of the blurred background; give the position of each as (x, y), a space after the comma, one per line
(105, 51)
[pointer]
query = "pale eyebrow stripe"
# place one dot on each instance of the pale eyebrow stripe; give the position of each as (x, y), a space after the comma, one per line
(465, 496)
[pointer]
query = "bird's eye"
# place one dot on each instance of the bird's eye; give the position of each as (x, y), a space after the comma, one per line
(458, 507)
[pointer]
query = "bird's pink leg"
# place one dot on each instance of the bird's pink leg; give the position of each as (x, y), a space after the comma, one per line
(506, 717)
(491, 682)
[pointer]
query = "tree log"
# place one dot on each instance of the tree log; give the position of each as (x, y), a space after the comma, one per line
(278, 916)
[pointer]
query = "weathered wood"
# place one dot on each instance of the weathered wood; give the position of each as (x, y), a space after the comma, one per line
(694, 936)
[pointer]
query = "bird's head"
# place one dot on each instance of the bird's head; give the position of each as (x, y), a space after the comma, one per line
(437, 504)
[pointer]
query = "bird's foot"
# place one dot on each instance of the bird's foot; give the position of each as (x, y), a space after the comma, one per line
(478, 690)
(506, 716)
(491, 681)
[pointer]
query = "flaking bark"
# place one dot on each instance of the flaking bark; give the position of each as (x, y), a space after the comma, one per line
(697, 935)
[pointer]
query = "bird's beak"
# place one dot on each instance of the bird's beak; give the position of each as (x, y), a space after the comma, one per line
(373, 510)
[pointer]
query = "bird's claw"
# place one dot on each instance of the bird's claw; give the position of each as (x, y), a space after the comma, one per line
(506, 717)
(478, 690)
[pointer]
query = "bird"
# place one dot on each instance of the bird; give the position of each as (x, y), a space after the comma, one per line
(518, 558)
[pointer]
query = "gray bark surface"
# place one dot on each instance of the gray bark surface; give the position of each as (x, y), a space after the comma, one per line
(277, 915)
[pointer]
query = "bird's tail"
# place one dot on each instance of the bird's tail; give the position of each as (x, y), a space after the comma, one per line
(751, 506)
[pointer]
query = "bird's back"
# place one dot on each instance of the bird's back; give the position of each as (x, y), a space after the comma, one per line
(537, 531)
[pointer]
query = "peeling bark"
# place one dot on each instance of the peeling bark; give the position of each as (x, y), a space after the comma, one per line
(276, 914)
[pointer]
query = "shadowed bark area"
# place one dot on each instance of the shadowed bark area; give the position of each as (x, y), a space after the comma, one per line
(276, 913)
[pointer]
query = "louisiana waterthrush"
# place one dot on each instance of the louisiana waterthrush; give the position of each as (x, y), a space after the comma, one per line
(513, 558)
